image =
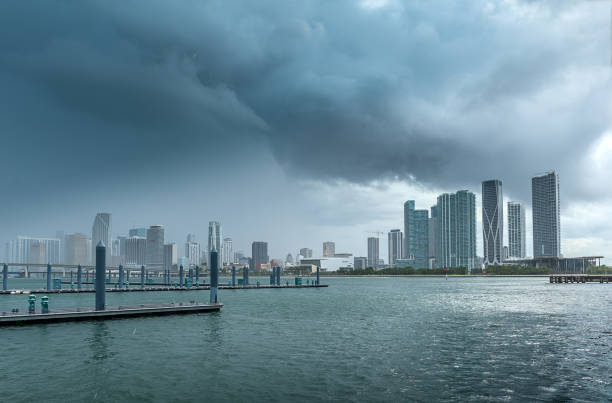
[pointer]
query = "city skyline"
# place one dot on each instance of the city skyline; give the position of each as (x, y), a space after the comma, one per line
(544, 187)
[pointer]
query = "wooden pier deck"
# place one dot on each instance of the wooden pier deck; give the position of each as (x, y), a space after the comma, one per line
(580, 278)
(82, 314)
(136, 288)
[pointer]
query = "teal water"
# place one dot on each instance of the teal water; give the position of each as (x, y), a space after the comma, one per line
(361, 339)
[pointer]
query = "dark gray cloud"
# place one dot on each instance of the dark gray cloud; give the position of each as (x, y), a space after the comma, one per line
(442, 93)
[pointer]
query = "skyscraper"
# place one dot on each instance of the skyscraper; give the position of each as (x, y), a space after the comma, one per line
(373, 252)
(416, 235)
(155, 246)
(546, 215)
(456, 230)
(493, 222)
(136, 251)
(433, 236)
(75, 249)
(228, 251)
(516, 230)
(329, 249)
(215, 237)
(101, 231)
(192, 250)
(396, 241)
(259, 253)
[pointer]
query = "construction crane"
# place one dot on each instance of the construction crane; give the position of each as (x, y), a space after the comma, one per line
(378, 233)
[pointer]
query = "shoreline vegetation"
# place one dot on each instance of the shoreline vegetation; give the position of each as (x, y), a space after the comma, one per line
(491, 271)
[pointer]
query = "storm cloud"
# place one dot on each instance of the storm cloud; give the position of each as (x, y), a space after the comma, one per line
(439, 93)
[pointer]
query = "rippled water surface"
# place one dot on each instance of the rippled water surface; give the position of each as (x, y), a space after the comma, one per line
(361, 339)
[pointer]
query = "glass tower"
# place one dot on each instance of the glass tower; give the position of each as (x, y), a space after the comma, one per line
(546, 215)
(492, 222)
(456, 229)
(416, 235)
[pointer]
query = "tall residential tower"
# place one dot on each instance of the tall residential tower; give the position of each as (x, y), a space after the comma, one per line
(101, 231)
(416, 235)
(456, 230)
(516, 230)
(396, 241)
(546, 215)
(493, 222)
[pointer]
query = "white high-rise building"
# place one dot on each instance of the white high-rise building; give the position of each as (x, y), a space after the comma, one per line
(75, 249)
(155, 246)
(215, 237)
(192, 252)
(136, 251)
(516, 230)
(34, 250)
(228, 251)
(396, 241)
(101, 231)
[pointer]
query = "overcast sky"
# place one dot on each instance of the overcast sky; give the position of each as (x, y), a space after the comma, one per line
(297, 122)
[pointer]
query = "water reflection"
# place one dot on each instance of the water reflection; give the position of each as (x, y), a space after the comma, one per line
(99, 342)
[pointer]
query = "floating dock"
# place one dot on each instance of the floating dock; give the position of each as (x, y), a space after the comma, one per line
(80, 314)
(162, 288)
(580, 278)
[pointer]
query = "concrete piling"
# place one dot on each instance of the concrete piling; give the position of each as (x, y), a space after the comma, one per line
(79, 277)
(197, 274)
(100, 268)
(5, 277)
(245, 275)
(49, 276)
(214, 276)
(120, 276)
(278, 275)
(181, 276)
(142, 276)
(233, 276)
(318, 275)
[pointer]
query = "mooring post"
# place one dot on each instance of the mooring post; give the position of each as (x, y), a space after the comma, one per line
(191, 274)
(318, 276)
(142, 276)
(120, 276)
(127, 278)
(48, 276)
(5, 277)
(245, 275)
(197, 275)
(181, 276)
(79, 277)
(233, 276)
(278, 275)
(87, 276)
(70, 276)
(100, 268)
(214, 276)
